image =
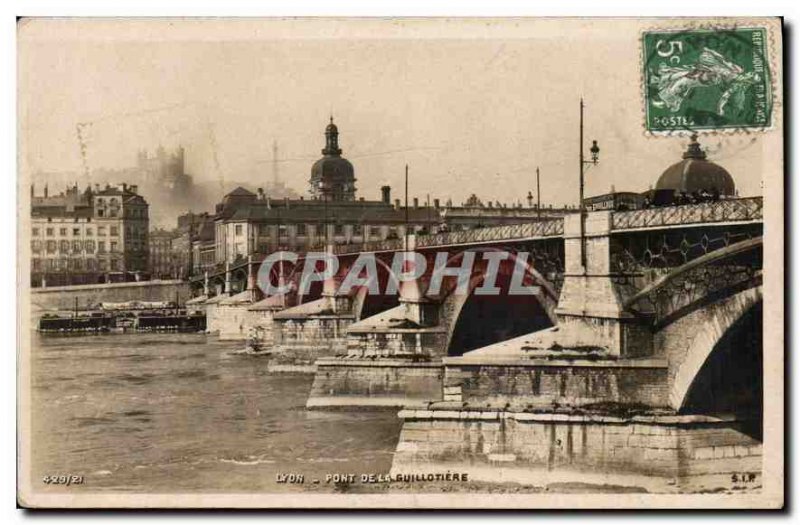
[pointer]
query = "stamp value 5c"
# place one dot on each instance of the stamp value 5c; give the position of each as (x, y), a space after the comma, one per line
(706, 79)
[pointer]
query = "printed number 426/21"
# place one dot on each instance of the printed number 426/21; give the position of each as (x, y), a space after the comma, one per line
(63, 480)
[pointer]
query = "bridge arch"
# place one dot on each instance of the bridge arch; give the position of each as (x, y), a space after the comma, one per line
(465, 315)
(239, 279)
(366, 305)
(699, 283)
(710, 327)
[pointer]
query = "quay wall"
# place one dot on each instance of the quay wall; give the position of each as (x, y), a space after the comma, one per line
(63, 297)
(658, 454)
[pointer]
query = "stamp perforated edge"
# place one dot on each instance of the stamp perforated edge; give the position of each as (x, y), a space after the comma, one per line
(770, 27)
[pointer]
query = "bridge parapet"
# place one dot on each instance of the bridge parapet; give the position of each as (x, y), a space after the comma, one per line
(750, 209)
(509, 232)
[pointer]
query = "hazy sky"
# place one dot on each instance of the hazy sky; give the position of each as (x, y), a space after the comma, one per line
(472, 107)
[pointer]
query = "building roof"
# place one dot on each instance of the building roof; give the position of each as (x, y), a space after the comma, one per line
(695, 173)
(240, 192)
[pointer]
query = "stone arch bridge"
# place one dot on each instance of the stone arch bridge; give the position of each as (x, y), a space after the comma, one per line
(636, 325)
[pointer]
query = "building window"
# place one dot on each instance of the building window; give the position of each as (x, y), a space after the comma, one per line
(37, 264)
(357, 229)
(36, 246)
(63, 246)
(100, 213)
(238, 230)
(101, 247)
(114, 246)
(51, 246)
(49, 232)
(103, 265)
(76, 246)
(114, 231)
(114, 264)
(36, 231)
(101, 230)
(301, 229)
(112, 212)
(89, 246)
(91, 264)
(89, 232)
(338, 229)
(51, 265)
(76, 232)
(62, 232)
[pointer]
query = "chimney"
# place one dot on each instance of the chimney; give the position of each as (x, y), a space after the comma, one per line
(45, 191)
(436, 203)
(416, 203)
(260, 192)
(134, 188)
(397, 203)
(386, 193)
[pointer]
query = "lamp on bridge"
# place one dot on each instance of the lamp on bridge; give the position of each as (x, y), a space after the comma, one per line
(595, 151)
(595, 157)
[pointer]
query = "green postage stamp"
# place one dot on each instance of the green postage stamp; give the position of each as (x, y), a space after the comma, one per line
(706, 79)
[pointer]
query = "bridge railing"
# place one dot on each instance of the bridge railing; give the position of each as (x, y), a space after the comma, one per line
(529, 230)
(746, 209)
(370, 246)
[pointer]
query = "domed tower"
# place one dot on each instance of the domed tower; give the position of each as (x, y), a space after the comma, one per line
(332, 176)
(696, 174)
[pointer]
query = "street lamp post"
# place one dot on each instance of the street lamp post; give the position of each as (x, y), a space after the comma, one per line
(595, 155)
(538, 197)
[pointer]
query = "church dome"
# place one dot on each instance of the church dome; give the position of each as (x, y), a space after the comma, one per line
(332, 176)
(331, 170)
(695, 173)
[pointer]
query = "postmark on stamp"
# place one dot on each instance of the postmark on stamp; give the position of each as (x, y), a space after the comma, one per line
(706, 79)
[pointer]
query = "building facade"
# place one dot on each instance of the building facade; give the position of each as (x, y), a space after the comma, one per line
(90, 236)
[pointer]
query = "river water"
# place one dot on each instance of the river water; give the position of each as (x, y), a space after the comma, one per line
(181, 412)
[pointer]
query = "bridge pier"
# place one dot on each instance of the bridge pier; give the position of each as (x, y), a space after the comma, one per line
(590, 311)
(308, 331)
(392, 358)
